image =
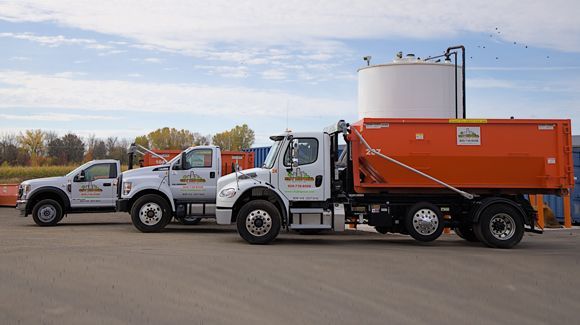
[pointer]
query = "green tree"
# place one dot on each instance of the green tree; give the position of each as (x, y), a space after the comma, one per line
(238, 138)
(99, 150)
(73, 147)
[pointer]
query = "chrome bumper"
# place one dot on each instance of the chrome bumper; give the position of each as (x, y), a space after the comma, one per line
(21, 206)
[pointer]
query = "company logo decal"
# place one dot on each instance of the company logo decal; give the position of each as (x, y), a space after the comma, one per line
(90, 189)
(192, 178)
(298, 176)
(468, 136)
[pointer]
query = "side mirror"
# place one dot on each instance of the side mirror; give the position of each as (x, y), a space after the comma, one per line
(294, 154)
(80, 177)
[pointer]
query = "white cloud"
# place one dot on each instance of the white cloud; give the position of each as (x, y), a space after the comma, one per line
(147, 60)
(274, 74)
(195, 27)
(225, 71)
(54, 117)
(34, 91)
(19, 58)
(56, 41)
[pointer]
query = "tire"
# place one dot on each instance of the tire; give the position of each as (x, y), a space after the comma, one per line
(424, 222)
(150, 213)
(189, 221)
(467, 233)
(500, 226)
(258, 222)
(47, 213)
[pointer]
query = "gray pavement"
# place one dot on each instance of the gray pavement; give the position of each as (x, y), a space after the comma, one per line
(98, 269)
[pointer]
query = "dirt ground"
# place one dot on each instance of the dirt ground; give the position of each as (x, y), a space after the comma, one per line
(98, 269)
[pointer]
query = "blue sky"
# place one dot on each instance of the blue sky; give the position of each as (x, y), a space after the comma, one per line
(125, 68)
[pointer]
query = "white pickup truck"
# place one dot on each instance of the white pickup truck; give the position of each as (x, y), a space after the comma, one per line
(184, 188)
(88, 188)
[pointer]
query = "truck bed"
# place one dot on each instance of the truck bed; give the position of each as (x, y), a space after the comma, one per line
(482, 156)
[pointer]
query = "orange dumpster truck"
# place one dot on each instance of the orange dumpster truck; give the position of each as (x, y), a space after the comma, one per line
(408, 176)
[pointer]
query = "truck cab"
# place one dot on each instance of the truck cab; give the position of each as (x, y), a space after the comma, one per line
(184, 188)
(88, 188)
(292, 189)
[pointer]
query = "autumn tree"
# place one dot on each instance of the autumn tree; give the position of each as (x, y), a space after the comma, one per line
(171, 138)
(32, 141)
(238, 138)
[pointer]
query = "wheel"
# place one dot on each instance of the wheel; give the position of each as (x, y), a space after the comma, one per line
(500, 225)
(47, 212)
(381, 230)
(258, 222)
(150, 213)
(189, 221)
(466, 232)
(424, 222)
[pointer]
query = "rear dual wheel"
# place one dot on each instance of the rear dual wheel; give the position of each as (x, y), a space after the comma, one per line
(499, 226)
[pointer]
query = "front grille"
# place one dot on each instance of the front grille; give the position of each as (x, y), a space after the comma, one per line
(20, 191)
(119, 185)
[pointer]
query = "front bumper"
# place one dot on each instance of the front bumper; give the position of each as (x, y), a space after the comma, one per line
(122, 205)
(223, 216)
(21, 206)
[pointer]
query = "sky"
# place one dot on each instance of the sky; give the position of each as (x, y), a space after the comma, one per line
(125, 68)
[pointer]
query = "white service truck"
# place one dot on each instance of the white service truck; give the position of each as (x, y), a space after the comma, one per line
(184, 188)
(88, 188)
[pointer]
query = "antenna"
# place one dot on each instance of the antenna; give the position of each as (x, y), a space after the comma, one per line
(287, 104)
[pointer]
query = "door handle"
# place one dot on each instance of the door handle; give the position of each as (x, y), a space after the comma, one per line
(318, 181)
(212, 175)
(106, 184)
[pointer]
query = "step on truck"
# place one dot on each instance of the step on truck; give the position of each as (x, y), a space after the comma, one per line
(88, 188)
(183, 188)
(407, 176)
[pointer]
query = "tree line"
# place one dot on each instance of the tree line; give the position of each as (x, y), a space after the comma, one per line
(46, 148)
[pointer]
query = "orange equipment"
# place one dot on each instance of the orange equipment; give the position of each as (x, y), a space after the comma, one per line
(230, 159)
(8, 194)
(480, 156)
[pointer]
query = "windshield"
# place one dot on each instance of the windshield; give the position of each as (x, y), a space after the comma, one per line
(269, 162)
(78, 169)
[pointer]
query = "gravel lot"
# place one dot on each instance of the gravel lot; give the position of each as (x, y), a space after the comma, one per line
(98, 269)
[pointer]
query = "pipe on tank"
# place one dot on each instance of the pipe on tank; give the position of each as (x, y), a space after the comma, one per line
(447, 53)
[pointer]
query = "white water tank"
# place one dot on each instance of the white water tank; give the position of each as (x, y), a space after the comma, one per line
(409, 87)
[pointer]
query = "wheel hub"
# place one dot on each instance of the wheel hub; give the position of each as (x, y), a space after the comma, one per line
(502, 226)
(46, 213)
(425, 222)
(258, 223)
(150, 213)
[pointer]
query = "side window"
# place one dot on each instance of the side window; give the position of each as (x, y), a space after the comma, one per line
(99, 171)
(198, 158)
(307, 152)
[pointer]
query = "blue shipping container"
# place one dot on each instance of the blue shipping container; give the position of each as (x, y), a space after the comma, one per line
(556, 203)
(260, 154)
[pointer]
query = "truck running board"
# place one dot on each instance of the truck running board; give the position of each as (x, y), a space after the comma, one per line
(309, 226)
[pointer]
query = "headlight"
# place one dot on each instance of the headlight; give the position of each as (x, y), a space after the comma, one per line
(228, 192)
(127, 186)
(25, 190)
